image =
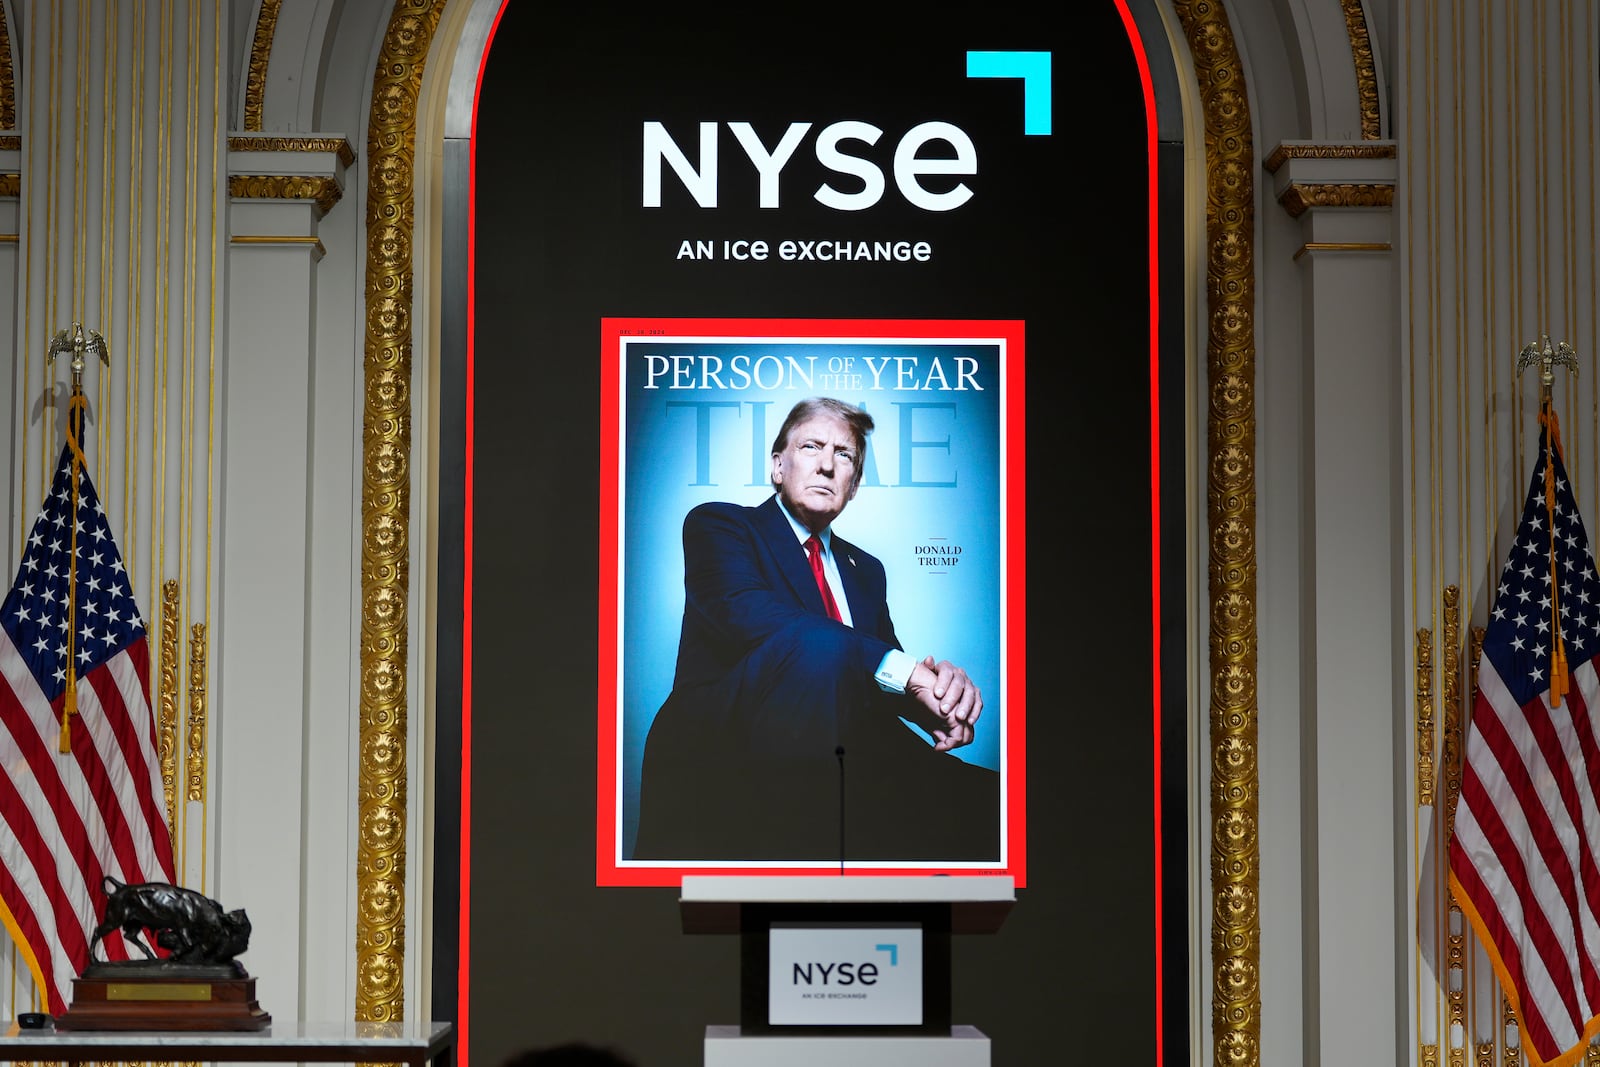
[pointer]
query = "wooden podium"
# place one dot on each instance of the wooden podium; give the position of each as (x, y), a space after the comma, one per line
(845, 970)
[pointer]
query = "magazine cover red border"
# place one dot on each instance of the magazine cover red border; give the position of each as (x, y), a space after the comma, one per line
(611, 867)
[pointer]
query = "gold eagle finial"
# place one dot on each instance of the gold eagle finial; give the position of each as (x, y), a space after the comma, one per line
(78, 342)
(1547, 356)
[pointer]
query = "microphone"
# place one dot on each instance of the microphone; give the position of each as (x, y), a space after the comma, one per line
(838, 753)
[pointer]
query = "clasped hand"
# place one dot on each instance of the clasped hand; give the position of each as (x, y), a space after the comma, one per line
(950, 698)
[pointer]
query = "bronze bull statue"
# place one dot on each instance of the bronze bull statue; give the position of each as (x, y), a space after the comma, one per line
(192, 927)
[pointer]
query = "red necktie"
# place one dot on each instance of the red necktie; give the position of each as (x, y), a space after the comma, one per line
(814, 552)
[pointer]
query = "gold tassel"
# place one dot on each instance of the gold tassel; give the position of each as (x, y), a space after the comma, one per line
(69, 705)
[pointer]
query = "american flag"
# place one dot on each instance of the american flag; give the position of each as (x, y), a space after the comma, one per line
(67, 821)
(1525, 858)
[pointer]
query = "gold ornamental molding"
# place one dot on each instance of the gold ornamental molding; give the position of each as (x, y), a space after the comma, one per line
(1456, 741)
(313, 244)
(196, 766)
(338, 145)
(1328, 150)
(255, 82)
(385, 504)
(1355, 22)
(1455, 962)
(8, 81)
(10, 186)
(324, 192)
(1454, 719)
(1342, 246)
(167, 715)
(1301, 197)
(1508, 1019)
(1455, 928)
(10, 143)
(1425, 719)
(1231, 530)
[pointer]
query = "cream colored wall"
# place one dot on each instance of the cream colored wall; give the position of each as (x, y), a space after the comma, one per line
(230, 420)
(120, 226)
(1498, 110)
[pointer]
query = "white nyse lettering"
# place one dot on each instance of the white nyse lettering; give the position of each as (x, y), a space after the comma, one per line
(659, 145)
(907, 166)
(768, 164)
(828, 155)
(700, 181)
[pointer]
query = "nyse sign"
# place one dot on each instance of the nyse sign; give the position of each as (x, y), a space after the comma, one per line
(844, 975)
(836, 148)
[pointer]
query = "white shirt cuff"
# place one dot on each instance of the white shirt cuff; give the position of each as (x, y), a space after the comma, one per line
(894, 670)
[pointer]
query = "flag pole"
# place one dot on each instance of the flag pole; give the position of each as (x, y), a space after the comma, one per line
(78, 342)
(1545, 355)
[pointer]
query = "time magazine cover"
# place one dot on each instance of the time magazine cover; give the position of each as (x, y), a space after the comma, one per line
(689, 416)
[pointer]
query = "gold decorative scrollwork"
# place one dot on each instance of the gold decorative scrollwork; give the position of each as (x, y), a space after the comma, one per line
(1454, 654)
(385, 502)
(337, 145)
(1455, 962)
(1231, 519)
(1340, 150)
(1425, 723)
(255, 82)
(197, 712)
(1301, 197)
(324, 191)
(1473, 658)
(1429, 1056)
(167, 715)
(1355, 22)
(10, 186)
(8, 81)
(1508, 1022)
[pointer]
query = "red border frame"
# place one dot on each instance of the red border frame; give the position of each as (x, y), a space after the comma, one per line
(612, 330)
(464, 916)
(1153, 260)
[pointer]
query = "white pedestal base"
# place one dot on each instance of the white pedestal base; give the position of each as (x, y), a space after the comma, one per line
(726, 1046)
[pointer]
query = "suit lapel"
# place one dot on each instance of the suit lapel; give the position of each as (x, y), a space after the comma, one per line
(774, 528)
(844, 554)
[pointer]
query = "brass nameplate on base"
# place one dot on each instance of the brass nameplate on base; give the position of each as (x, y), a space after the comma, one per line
(158, 991)
(160, 996)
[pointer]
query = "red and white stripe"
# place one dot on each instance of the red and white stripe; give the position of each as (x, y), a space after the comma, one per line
(1525, 857)
(69, 821)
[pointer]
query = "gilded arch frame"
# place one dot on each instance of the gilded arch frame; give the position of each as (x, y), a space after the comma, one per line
(386, 466)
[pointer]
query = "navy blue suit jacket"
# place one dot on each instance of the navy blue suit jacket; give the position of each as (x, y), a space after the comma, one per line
(771, 698)
(746, 578)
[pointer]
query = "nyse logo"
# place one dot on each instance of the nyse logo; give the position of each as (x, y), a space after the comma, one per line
(855, 975)
(930, 148)
(837, 973)
(844, 973)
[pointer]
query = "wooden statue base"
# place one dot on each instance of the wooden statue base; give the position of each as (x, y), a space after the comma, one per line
(162, 996)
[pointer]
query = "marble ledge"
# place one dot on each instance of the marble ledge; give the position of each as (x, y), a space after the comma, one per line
(395, 1036)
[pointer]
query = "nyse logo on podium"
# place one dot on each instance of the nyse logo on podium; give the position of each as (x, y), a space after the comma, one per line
(837, 974)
